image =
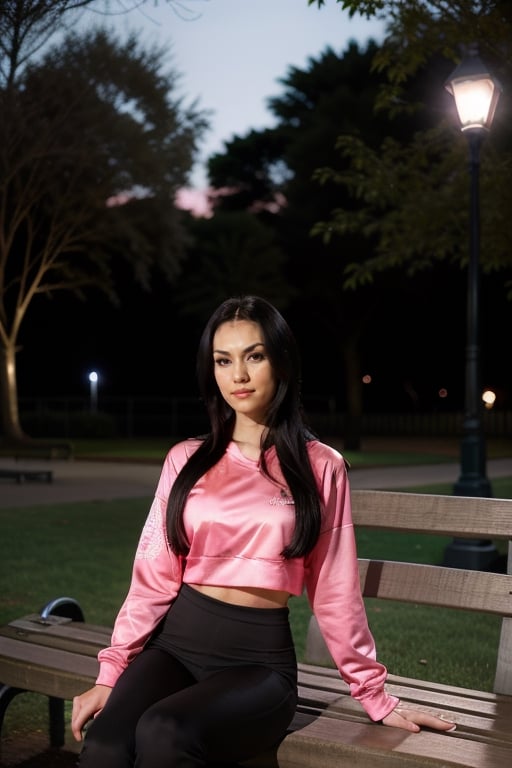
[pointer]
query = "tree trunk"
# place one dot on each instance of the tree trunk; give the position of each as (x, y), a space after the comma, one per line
(10, 427)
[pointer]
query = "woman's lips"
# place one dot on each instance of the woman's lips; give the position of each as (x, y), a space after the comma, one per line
(243, 393)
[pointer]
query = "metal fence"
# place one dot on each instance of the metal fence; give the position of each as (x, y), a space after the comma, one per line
(128, 417)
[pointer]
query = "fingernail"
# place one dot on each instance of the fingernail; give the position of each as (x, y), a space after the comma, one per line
(453, 728)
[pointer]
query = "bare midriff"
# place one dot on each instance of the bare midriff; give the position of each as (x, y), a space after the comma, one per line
(251, 597)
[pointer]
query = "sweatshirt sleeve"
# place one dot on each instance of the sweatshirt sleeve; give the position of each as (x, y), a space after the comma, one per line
(334, 593)
(156, 579)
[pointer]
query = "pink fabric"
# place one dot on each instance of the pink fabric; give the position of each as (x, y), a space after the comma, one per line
(238, 521)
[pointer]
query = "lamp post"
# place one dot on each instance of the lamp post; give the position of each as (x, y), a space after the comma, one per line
(476, 93)
(93, 381)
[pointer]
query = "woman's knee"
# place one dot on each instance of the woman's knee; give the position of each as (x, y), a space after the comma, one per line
(163, 737)
(106, 748)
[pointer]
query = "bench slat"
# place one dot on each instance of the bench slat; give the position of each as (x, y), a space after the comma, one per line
(438, 586)
(54, 658)
(77, 637)
(363, 744)
(45, 670)
(41, 679)
(328, 679)
(488, 716)
(51, 625)
(454, 516)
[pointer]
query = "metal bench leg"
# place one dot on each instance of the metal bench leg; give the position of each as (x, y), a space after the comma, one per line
(69, 608)
(7, 694)
(57, 725)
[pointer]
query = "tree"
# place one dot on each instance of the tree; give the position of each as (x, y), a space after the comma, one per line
(26, 26)
(230, 254)
(403, 186)
(93, 148)
(334, 94)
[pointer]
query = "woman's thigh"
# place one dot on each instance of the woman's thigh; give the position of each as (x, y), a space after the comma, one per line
(153, 675)
(231, 715)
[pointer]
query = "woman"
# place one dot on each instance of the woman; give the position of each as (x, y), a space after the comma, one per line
(202, 666)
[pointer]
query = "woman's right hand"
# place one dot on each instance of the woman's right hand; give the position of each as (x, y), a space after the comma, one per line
(87, 706)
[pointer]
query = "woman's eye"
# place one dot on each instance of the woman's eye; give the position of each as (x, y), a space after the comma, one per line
(257, 356)
(222, 361)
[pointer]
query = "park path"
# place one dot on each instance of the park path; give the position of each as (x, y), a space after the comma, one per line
(79, 480)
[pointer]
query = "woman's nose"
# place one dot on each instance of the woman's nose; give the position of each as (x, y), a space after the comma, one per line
(240, 372)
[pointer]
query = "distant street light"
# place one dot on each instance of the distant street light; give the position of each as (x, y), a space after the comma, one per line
(93, 381)
(489, 398)
(476, 93)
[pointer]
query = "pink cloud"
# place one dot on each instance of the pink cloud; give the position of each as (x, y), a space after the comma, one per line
(194, 200)
(120, 199)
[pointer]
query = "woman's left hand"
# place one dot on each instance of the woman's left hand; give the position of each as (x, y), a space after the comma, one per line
(414, 719)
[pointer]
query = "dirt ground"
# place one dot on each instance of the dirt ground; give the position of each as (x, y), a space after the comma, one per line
(30, 750)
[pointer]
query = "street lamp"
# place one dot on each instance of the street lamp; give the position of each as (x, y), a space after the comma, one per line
(476, 93)
(93, 381)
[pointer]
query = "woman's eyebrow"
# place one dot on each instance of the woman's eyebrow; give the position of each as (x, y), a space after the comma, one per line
(250, 348)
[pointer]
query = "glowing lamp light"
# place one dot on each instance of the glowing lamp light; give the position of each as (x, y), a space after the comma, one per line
(93, 380)
(489, 398)
(476, 93)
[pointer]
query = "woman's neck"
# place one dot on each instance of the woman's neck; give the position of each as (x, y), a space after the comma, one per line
(249, 438)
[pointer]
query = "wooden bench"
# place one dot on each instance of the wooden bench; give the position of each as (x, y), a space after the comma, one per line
(26, 475)
(56, 656)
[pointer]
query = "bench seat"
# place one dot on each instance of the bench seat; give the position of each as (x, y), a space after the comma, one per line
(24, 475)
(57, 657)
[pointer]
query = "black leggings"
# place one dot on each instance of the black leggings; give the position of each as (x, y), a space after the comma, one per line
(217, 683)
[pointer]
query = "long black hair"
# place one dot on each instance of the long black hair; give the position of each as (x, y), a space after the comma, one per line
(284, 422)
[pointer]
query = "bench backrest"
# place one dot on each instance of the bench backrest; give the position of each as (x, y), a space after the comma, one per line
(436, 585)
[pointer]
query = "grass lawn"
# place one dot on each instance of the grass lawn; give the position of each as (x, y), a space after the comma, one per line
(375, 452)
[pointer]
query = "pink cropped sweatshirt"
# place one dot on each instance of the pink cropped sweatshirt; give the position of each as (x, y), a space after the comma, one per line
(238, 521)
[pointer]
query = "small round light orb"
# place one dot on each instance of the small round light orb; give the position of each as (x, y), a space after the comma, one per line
(489, 398)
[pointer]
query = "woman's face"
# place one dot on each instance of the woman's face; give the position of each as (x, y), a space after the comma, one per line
(242, 369)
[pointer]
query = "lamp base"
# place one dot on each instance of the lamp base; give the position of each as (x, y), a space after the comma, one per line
(471, 554)
(473, 484)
